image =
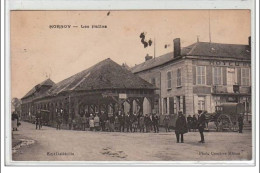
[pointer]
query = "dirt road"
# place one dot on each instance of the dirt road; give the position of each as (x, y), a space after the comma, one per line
(50, 144)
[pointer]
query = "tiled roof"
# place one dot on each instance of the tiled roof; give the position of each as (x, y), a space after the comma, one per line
(105, 75)
(33, 91)
(202, 49)
(207, 49)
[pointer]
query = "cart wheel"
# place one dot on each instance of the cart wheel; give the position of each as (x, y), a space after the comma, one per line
(224, 123)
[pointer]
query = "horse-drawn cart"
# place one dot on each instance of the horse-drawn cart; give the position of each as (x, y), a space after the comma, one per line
(226, 116)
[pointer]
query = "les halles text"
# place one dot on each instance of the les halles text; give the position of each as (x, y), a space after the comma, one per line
(76, 26)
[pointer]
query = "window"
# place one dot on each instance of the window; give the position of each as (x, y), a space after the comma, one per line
(245, 76)
(178, 100)
(217, 80)
(201, 103)
(153, 81)
(171, 105)
(169, 80)
(178, 77)
(217, 100)
(201, 75)
(165, 106)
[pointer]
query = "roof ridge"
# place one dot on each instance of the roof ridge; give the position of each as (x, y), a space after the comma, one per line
(196, 44)
(223, 43)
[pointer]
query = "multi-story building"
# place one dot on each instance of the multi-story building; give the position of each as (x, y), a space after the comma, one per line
(199, 77)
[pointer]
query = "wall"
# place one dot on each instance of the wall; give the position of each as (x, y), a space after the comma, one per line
(217, 94)
(148, 75)
(177, 95)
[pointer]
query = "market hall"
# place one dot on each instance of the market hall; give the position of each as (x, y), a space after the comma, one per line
(106, 87)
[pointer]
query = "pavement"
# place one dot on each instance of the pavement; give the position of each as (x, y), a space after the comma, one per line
(49, 144)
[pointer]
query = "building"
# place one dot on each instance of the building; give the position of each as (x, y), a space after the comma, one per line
(103, 88)
(199, 77)
(28, 101)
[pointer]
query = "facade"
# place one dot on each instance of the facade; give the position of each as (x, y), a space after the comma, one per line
(105, 88)
(200, 77)
(28, 106)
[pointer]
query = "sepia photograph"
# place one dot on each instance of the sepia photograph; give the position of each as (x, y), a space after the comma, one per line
(131, 85)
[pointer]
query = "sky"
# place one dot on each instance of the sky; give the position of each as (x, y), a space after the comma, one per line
(39, 52)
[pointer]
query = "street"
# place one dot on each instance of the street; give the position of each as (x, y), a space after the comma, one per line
(49, 144)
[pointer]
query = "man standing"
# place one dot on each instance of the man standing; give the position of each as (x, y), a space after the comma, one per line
(70, 123)
(194, 123)
(117, 123)
(240, 123)
(134, 122)
(155, 120)
(127, 122)
(121, 119)
(180, 127)
(111, 123)
(102, 120)
(166, 122)
(146, 123)
(96, 122)
(84, 123)
(38, 120)
(151, 122)
(141, 123)
(201, 125)
(189, 122)
(58, 120)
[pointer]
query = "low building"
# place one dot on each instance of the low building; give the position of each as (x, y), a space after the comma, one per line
(28, 101)
(105, 87)
(200, 77)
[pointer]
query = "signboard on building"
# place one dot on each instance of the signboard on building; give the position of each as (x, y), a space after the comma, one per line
(122, 96)
(229, 63)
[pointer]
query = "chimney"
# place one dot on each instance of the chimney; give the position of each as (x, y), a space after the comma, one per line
(147, 57)
(177, 47)
(249, 42)
(198, 39)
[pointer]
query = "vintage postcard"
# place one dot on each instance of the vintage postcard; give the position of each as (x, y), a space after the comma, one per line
(131, 85)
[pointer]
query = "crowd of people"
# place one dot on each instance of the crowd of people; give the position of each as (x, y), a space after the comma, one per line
(128, 122)
(121, 122)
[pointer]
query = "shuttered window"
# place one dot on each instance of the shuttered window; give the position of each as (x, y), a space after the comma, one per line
(171, 105)
(245, 76)
(201, 75)
(178, 77)
(169, 79)
(165, 106)
(217, 76)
